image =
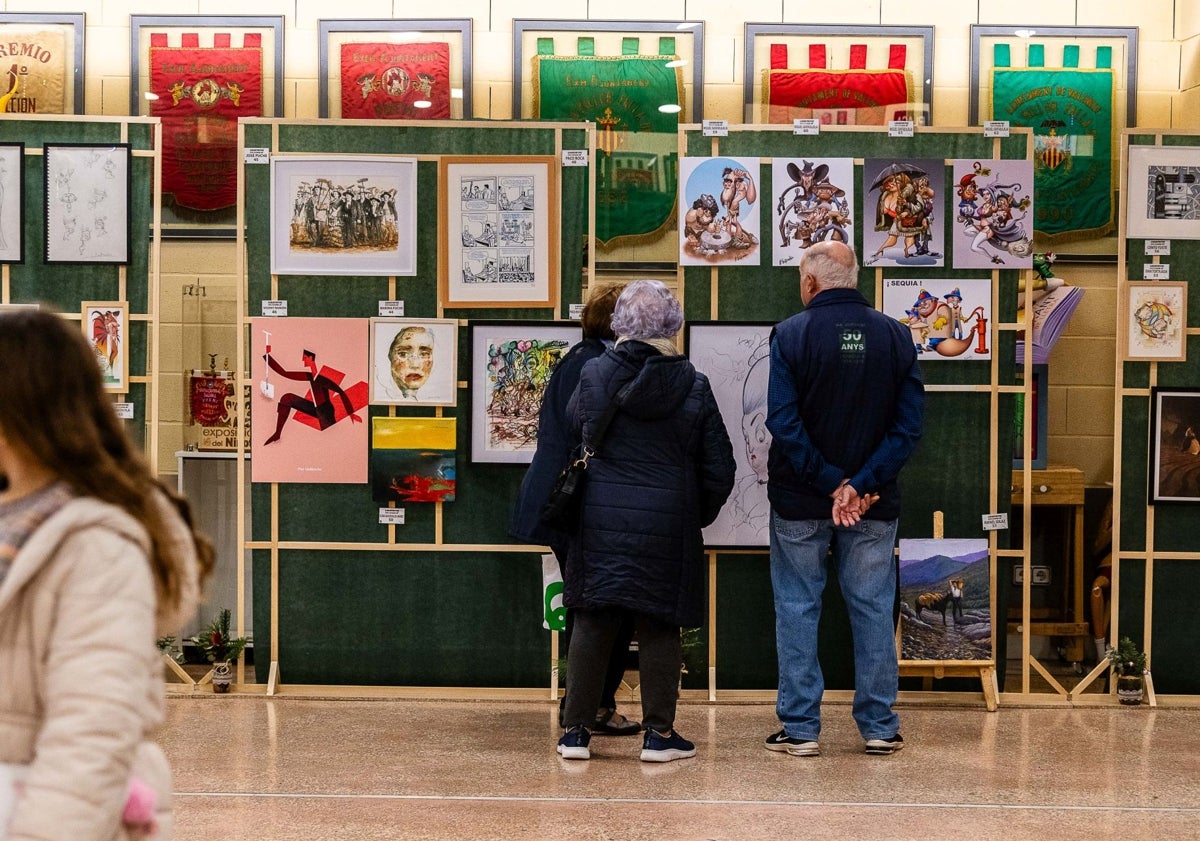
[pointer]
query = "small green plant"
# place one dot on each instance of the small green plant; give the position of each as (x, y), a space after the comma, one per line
(1126, 659)
(167, 645)
(215, 642)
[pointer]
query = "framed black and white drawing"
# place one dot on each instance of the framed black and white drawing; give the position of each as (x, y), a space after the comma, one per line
(414, 361)
(1163, 200)
(1174, 446)
(498, 238)
(736, 358)
(87, 203)
(511, 362)
(12, 202)
(343, 215)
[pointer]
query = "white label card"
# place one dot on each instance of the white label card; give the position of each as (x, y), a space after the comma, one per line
(1159, 247)
(575, 311)
(124, 410)
(275, 308)
(901, 128)
(574, 157)
(995, 522)
(715, 128)
(806, 126)
(391, 516)
(257, 156)
(1157, 271)
(391, 309)
(996, 128)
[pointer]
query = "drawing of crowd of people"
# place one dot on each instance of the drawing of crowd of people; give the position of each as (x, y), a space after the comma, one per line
(330, 215)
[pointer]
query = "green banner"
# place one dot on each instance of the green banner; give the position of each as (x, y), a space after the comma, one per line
(636, 159)
(1071, 114)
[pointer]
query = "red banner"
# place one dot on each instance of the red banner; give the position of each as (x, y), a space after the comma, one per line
(863, 93)
(386, 81)
(201, 93)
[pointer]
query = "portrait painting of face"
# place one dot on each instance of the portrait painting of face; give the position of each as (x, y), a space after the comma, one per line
(414, 361)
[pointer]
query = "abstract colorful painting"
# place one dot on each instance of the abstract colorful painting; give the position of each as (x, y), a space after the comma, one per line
(945, 600)
(511, 362)
(412, 459)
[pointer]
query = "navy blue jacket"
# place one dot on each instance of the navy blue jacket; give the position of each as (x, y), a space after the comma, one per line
(845, 400)
(661, 473)
(553, 446)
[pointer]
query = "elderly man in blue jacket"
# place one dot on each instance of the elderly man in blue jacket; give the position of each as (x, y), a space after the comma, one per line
(845, 407)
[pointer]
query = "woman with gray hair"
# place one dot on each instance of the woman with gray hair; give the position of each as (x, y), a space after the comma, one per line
(660, 474)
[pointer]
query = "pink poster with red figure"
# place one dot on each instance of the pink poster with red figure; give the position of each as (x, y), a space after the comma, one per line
(309, 398)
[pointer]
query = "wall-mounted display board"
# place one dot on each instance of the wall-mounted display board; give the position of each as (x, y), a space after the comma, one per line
(347, 591)
(1156, 458)
(636, 80)
(392, 69)
(80, 258)
(200, 74)
(1076, 87)
(838, 75)
(51, 80)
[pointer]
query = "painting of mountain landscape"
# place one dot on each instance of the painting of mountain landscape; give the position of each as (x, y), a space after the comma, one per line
(945, 601)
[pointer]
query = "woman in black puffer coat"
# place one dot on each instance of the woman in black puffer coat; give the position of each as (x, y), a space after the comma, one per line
(661, 473)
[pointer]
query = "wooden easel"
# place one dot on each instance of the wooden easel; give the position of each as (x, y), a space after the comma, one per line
(985, 670)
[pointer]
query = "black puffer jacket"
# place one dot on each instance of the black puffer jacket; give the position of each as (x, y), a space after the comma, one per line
(661, 473)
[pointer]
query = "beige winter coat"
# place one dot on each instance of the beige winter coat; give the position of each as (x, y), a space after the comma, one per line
(81, 682)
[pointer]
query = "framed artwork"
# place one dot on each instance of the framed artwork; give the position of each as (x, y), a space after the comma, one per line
(994, 219)
(388, 69)
(343, 215)
(12, 202)
(87, 203)
(948, 319)
(1156, 321)
(414, 361)
(1039, 414)
(719, 218)
(1163, 200)
(498, 241)
(412, 459)
(1076, 88)
(309, 393)
(812, 201)
(636, 80)
(736, 358)
(945, 600)
(1174, 447)
(106, 326)
(199, 74)
(838, 74)
(52, 83)
(901, 225)
(511, 362)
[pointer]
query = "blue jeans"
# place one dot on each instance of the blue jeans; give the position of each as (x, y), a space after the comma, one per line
(866, 569)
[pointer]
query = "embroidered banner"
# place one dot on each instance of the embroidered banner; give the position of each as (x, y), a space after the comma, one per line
(635, 181)
(855, 96)
(35, 69)
(1071, 114)
(384, 81)
(201, 93)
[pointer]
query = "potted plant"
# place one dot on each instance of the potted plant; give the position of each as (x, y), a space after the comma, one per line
(1130, 666)
(220, 649)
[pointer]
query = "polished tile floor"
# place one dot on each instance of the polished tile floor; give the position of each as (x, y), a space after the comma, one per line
(279, 769)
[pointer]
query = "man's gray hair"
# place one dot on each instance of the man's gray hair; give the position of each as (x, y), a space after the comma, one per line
(647, 310)
(833, 267)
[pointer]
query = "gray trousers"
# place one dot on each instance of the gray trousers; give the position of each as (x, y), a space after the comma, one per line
(660, 658)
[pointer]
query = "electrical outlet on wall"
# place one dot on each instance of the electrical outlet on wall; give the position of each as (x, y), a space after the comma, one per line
(1040, 575)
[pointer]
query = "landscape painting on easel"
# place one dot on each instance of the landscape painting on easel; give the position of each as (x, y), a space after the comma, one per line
(945, 601)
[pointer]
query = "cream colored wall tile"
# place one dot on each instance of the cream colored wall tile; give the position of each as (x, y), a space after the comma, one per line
(637, 10)
(951, 106)
(1158, 65)
(170, 405)
(1021, 12)
(260, 7)
(849, 11)
(1057, 410)
(503, 11)
(305, 99)
(492, 57)
(170, 298)
(952, 17)
(1189, 62)
(1155, 110)
(722, 61)
(1155, 19)
(93, 93)
(114, 96)
(1187, 19)
(1187, 107)
(92, 8)
(951, 63)
(308, 12)
(302, 55)
(171, 341)
(718, 21)
(494, 101)
(170, 441)
(1090, 453)
(1096, 315)
(1088, 410)
(723, 102)
(106, 50)
(183, 257)
(1091, 361)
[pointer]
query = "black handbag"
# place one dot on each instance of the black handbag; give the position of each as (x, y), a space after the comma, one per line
(561, 510)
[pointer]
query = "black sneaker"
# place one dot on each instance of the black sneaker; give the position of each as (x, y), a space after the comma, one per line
(884, 747)
(781, 741)
(574, 743)
(659, 748)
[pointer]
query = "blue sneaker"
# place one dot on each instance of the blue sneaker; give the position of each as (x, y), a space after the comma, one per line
(660, 748)
(574, 743)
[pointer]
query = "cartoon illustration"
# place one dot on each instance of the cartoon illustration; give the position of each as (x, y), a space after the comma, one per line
(106, 341)
(813, 203)
(949, 322)
(721, 223)
(904, 214)
(993, 214)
